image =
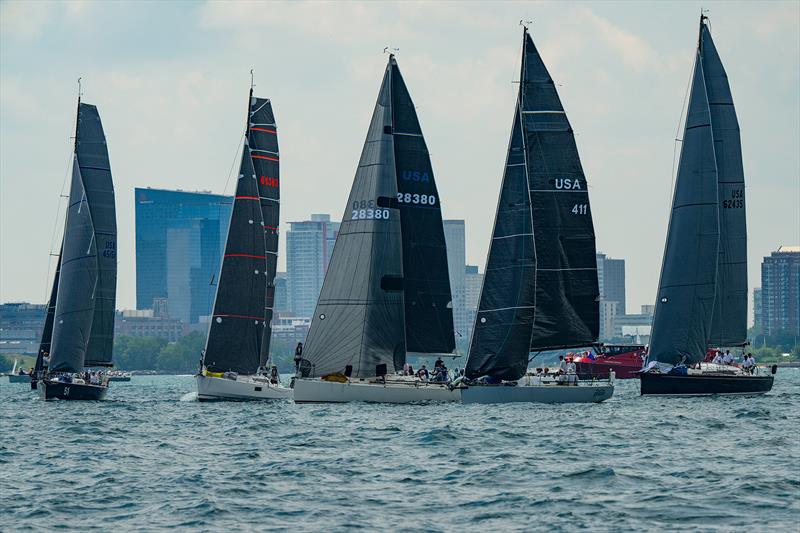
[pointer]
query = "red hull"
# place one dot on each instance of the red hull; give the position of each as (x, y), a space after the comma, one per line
(625, 365)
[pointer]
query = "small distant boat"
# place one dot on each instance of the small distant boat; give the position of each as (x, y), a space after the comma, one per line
(702, 293)
(540, 290)
(237, 347)
(386, 293)
(119, 376)
(625, 360)
(18, 376)
(81, 330)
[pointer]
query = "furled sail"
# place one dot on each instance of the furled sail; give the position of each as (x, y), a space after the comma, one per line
(358, 319)
(236, 331)
(540, 289)
(78, 281)
(262, 136)
(387, 290)
(95, 170)
(686, 291)
(729, 324)
(426, 282)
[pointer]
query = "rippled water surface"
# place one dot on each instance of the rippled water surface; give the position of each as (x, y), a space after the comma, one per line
(151, 458)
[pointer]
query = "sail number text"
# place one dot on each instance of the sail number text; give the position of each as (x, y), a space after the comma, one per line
(366, 210)
(409, 198)
(110, 250)
(736, 200)
(580, 209)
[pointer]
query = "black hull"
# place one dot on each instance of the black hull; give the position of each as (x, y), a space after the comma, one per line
(52, 390)
(34, 383)
(701, 385)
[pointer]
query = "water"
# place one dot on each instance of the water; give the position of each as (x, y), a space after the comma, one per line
(151, 458)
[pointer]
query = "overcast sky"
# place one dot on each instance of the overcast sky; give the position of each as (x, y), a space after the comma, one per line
(171, 80)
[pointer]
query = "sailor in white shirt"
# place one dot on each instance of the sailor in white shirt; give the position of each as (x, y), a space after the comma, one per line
(572, 375)
(717, 358)
(728, 358)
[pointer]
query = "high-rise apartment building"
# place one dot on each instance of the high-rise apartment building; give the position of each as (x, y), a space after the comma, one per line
(780, 291)
(454, 236)
(309, 245)
(180, 238)
(758, 316)
(611, 280)
(281, 293)
(473, 283)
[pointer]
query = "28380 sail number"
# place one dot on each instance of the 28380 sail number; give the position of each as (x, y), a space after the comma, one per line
(366, 210)
(419, 199)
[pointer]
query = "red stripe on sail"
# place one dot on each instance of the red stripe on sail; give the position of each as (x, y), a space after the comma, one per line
(264, 157)
(247, 198)
(264, 130)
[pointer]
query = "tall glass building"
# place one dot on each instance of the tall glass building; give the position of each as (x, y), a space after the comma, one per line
(180, 238)
(309, 245)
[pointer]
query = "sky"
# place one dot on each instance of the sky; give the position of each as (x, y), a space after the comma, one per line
(171, 80)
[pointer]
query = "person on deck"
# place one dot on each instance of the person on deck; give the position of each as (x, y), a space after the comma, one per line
(717, 358)
(273, 374)
(727, 359)
(572, 375)
(423, 373)
(438, 364)
(562, 365)
(298, 355)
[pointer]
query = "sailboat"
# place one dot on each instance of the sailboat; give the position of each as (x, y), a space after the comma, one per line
(386, 294)
(18, 376)
(79, 328)
(236, 355)
(540, 289)
(702, 293)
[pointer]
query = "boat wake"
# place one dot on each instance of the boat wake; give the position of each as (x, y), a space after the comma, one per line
(189, 397)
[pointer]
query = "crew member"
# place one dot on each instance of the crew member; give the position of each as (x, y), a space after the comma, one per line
(727, 359)
(298, 355)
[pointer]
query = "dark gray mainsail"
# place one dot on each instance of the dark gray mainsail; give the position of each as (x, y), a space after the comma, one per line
(686, 291)
(236, 331)
(374, 282)
(262, 138)
(426, 281)
(540, 288)
(95, 170)
(729, 324)
(78, 280)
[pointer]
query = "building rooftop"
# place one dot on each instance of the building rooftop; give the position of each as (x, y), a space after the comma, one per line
(789, 249)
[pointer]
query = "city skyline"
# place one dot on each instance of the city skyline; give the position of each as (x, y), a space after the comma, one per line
(172, 108)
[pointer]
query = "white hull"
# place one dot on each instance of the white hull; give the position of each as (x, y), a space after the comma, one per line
(400, 391)
(242, 388)
(530, 391)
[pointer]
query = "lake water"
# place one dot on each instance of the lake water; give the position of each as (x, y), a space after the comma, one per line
(152, 458)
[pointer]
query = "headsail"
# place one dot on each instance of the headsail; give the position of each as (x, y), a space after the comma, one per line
(78, 281)
(95, 170)
(236, 331)
(358, 320)
(426, 282)
(262, 137)
(540, 288)
(686, 291)
(729, 324)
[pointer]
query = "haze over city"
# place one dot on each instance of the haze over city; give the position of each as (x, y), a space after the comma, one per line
(171, 81)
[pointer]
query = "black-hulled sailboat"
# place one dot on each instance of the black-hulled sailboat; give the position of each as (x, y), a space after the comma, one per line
(702, 293)
(386, 293)
(540, 289)
(79, 328)
(234, 365)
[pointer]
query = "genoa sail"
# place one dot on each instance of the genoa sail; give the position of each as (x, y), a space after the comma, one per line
(686, 291)
(78, 280)
(262, 138)
(387, 289)
(540, 288)
(729, 323)
(236, 331)
(95, 170)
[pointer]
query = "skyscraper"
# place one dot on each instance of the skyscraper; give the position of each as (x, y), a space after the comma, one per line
(758, 317)
(309, 245)
(473, 283)
(611, 280)
(281, 293)
(180, 237)
(780, 291)
(454, 236)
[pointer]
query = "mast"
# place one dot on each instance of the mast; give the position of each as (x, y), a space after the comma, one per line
(687, 287)
(540, 288)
